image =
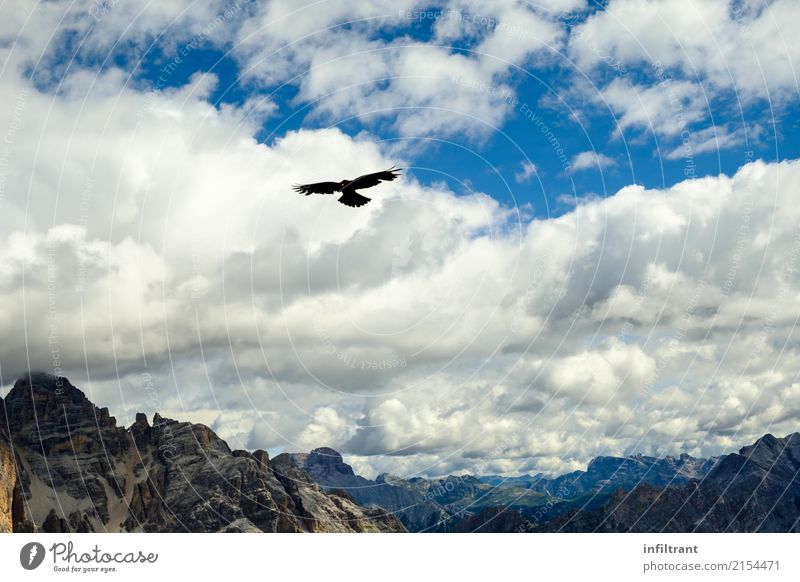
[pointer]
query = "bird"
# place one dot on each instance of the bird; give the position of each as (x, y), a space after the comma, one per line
(348, 188)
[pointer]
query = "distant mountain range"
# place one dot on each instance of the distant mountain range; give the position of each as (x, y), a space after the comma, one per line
(65, 466)
(756, 490)
(450, 503)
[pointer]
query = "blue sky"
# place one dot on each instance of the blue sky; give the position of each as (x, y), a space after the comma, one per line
(593, 249)
(492, 162)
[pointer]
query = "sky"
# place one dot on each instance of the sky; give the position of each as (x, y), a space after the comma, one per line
(593, 249)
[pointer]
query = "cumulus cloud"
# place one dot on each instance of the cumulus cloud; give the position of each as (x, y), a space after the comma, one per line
(591, 161)
(360, 61)
(432, 326)
(722, 43)
(671, 69)
(155, 242)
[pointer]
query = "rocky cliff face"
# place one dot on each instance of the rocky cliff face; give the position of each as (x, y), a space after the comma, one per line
(8, 485)
(66, 466)
(756, 490)
(415, 511)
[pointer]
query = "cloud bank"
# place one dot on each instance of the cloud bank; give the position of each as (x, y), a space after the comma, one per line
(153, 251)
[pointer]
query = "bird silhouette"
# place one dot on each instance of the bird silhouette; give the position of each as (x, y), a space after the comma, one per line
(348, 188)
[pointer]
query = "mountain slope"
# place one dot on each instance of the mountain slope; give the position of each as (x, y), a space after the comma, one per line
(410, 505)
(756, 490)
(68, 467)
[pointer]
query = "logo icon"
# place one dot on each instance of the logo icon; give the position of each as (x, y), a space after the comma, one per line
(31, 555)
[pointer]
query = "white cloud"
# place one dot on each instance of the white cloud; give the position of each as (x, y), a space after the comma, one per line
(688, 72)
(485, 347)
(427, 332)
(424, 88)
(37, 33)
(665, 109)
(591, 161)
(527, 171)
(711, 139)
(723, 44)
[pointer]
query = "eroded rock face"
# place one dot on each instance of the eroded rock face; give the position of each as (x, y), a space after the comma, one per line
(8, 482)
(72, 469)
(409, 503)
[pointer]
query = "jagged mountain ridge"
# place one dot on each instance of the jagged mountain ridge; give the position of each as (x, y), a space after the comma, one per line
(67, 467)
(443, 504)
(613, 472)
(423, 505)
(754, 490)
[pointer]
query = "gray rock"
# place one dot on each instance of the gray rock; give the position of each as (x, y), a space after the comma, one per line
(72, 469)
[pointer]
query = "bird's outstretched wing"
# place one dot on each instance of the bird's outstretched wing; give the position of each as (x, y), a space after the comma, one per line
(352, 198)
(317, 188)
(370, 180)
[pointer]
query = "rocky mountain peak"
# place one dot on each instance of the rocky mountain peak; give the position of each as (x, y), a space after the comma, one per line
(388, 478)
(41, 400)
(43, 386)
(325, 462)
(71, 469)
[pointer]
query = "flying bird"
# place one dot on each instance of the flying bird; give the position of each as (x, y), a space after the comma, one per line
(348, 188)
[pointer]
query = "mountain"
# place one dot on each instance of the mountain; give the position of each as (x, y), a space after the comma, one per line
(524, 481)
(422, 505)
(417, 513)
(611, 473)
(67, 467)
(756, 490)
(496, 503)
(492, 520)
